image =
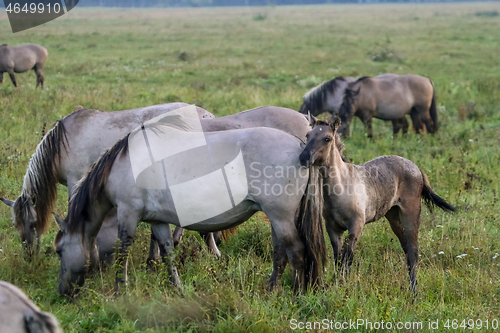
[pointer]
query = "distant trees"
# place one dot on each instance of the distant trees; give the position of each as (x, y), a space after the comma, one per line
(202, 3)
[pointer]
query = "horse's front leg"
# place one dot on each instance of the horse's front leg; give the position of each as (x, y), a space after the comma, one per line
(336, 241)
(280, 261)
(127, 227)
(163, 236)
(355, 229)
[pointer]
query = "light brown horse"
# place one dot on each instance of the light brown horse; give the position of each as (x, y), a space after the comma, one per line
(390, 97)
(20, 59)
(389, 186)
(19, 315)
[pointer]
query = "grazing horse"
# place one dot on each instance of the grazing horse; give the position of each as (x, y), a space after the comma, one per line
(390, 97)
(389, 186)
(20, 59)
(67, 151)
(273, 182)
(326, 97)
(19, 315)
(64, 155)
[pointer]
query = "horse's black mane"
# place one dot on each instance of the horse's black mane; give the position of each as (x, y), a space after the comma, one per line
(89, 190)
(314, 99)
(349, 95)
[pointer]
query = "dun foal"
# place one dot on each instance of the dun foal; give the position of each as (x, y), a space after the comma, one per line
(389, 186)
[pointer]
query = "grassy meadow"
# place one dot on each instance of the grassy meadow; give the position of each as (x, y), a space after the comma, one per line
(231, 59)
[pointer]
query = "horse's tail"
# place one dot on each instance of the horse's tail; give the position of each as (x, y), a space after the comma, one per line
(41, 179)
(226, 234)
(432, 199)
(433, 111)
(308, 221)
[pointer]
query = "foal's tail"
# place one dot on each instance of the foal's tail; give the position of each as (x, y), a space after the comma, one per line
(433, 111)
(432, 199)
(308, 221)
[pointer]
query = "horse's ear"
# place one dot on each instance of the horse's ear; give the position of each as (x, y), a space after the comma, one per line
(61, 223)
(312, 120)
(335, 123)
(7, 202)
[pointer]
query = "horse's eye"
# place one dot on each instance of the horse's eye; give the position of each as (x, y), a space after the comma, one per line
(327, 139)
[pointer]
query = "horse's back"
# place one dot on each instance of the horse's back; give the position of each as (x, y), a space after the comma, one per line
(19, 315)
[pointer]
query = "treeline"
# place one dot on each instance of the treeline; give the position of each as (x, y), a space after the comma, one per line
(199, 3)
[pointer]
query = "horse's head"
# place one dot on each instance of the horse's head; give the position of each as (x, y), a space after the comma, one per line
(319, 142)
(347, 109)
(24, 219)
(74, 254)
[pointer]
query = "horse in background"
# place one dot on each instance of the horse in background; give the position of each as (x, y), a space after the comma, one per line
(20, 59)
(326, 97)
(355, 195)
(390, 97)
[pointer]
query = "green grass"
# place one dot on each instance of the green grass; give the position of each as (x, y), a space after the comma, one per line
(231, 59)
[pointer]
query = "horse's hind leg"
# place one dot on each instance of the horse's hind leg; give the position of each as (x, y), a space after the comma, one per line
(153, 251)
(416, 120)
(164, 237)
(405, 225)
(39, 77)
(398, 124)
(13, 78)
(279, 261)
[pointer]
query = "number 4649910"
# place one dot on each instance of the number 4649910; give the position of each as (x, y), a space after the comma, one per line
(33, 8)
(471, 324)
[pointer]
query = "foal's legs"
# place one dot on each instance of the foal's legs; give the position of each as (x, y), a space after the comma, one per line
(335, 236)
(355, 229)
(405, 226)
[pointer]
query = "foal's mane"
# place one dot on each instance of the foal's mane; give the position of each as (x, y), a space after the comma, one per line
(313, 99)
(40, 180)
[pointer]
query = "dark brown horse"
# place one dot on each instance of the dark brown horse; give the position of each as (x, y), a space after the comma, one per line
(389, 186)
(20, 59)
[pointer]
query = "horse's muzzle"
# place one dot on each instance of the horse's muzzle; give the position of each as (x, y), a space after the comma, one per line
(305, 159)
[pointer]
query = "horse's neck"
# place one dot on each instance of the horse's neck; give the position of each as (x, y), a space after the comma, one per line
(337, 170)
(99, 211)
